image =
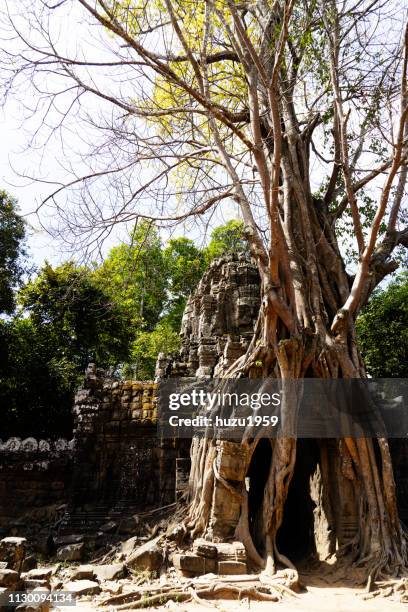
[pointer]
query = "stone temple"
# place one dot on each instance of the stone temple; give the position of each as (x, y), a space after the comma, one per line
(116, 465)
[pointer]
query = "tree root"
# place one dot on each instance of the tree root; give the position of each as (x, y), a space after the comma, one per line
(144, 599)
(386, 588)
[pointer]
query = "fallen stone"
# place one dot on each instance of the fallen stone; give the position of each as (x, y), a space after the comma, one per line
(41, 573)
(3, 565)
(131, 525)
(34, 583)
(29, 563)
(72, 552)
(9, 578)
(69, 539)
(115, 588)
(190, 564)
(176, 534)
(82, 587)
(231, 568)
(129, 546)
(149, 556)
(109, 527)
(46, 545)
(3, 592)
(83, 572)
(205, 549)
(109, 572)
(13, 551)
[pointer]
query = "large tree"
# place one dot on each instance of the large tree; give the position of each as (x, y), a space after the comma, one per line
(296, 111)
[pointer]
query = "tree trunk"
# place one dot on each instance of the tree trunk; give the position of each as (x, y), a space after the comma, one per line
(356, 479)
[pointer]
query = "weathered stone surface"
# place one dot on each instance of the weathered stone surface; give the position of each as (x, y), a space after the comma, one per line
(113, 571)
(191, 564)
(72, 552)
(46, 545)
(231, 551)
(129, 546)
(29, 563)
(113, 587)
(9, 578)
(149, 556)
(130, 525)
(109, 527)
(13, 551)
(218, 320)
(83, 572)
(231, 568)
(69, 539)
(205, 549)
(82, 587)
(34, 583)
(41, 573)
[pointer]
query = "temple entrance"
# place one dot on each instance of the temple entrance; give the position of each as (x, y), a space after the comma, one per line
(295, 538)
(256, 479)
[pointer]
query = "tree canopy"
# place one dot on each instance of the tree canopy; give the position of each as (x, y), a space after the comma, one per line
(382, 330)
(12, 251)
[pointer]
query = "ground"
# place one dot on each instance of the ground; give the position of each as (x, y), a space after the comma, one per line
(317, 599)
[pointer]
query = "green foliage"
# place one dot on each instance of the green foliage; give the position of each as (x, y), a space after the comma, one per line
(65, 322)
(67, 303)
(382, 331)
(227, 239)
(147, 346)
(12, 253)
(185, 265)
(135, 275)
(36, 384)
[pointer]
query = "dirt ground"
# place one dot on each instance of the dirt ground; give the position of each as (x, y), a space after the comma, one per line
(318, 598)
(330, 599)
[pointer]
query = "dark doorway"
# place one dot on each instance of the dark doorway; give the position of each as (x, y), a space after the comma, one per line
(257, 477)
(295, 538)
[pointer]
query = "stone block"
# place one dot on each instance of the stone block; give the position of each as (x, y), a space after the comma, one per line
(149, 556)
(13, 551)
(83, 572)
(34, 583)
(71, 552)
(69, 539)
(231, 551)
(231, 568)
(9, 578)
(82, 587)
(113, 571)
(191, 564)
(41, 573)
(205, 549)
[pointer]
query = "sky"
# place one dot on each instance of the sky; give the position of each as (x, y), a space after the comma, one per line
(28, 194)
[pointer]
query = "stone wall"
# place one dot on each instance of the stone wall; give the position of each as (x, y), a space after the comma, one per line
(33, 474)
(119, 458)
